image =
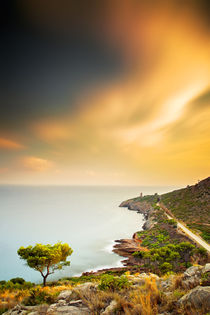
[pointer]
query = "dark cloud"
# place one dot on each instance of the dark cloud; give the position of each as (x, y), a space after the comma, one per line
(44, 71)
(201, 101)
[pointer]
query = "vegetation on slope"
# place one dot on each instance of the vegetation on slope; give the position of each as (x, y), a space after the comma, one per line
(192, 206)
(167, 249)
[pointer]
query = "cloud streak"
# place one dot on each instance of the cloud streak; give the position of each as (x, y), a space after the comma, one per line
(8, 144)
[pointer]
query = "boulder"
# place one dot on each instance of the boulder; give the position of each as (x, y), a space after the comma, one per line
(64, 295)
(55, 309)
(206, 268)
(68, 295)
(110, 309)
(197, 299)
(87, 286)
(166, 284)
(192, 277)
(193, 271)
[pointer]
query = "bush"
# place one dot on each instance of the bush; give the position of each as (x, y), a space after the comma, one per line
(109, 282)
(14, 284)
(166, 267)
(38, 296)
(17, 280)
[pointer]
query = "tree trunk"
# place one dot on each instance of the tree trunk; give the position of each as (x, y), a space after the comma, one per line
(44, 280)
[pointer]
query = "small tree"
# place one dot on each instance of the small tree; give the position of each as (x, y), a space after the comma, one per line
(46, 258)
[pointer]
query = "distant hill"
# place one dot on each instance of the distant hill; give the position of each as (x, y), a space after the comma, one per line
(192, 205)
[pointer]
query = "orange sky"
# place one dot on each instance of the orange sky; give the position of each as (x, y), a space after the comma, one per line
(148, 125)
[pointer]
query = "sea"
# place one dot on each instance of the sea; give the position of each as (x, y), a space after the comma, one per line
(88, 218)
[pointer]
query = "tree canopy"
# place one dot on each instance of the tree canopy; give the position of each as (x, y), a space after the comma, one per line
(46, 258)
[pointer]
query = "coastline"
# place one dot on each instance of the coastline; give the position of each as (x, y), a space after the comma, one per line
(125, 247)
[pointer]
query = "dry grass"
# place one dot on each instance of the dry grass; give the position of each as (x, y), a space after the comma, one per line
(96, 301)
(9, 298)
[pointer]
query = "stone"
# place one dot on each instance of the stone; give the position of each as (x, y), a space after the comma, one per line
(110, 309)
(198, 299)
(192, 277)
(68, 295)
(87, 286)
(64, 295)
(75, 303)
(206, 268)
(192, 271)
(68, 310)
(61, 302)
(166, 284)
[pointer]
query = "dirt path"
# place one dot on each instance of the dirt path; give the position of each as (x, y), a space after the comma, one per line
(190, 234)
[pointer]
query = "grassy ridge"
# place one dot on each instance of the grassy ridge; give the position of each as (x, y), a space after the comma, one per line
(192, 205)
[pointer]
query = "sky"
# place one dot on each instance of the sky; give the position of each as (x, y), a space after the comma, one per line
(110, 92)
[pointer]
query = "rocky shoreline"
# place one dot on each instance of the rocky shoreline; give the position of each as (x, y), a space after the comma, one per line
(126, 247)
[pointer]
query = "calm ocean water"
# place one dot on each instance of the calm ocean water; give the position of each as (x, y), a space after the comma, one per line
(88, 218)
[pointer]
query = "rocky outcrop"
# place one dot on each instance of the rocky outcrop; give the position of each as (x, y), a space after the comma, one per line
(197, 299)
(126, 247)
(140, 206)
(192, 277)
(110, 309)
(29, 310)
(77, 301)
(68, 302)
(74, 308)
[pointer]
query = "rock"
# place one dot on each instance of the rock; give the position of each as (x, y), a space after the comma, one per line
(68, 295)
(75, 303)
(192, 271)
(198, 299)
(55, 309)
(166, 284)
(142, 278)
(206, 268)
(23, 310)
(192, 277)
(111, 308)
(64, 295)
(148, 224)
(87, 286)
(61, 302)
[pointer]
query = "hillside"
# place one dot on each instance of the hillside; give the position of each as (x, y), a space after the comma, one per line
(110, 293)
(192, 206)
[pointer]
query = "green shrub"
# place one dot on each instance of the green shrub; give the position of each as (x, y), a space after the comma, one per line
(38, 296)
(12, 284)
(17, 280)
(2, 282)
(166, 267)
(109, 282)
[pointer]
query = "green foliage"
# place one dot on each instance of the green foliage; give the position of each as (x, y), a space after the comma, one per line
(206, 235)
(46, 257)
(9, 285)
(201, 251)
(3, 310)
(3, 282)
(191, 206)
(205, 279)
(109, 282)
(174, 254)
(17, 280)
(38, 296)
(166, 267)
(172, 222)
